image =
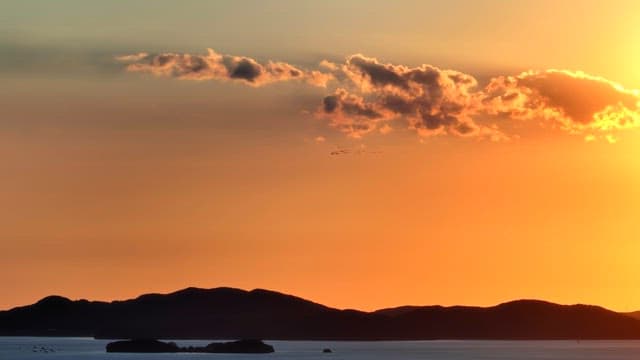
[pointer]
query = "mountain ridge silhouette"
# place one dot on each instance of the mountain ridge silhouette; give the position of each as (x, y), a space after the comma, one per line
(231, 313)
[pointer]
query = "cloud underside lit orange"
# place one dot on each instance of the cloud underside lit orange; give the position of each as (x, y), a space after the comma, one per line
(366, 95)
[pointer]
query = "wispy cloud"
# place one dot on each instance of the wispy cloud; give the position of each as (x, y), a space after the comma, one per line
(214, 66)
(132, 57)
(367, 95)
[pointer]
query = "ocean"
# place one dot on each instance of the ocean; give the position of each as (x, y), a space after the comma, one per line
(31, 348)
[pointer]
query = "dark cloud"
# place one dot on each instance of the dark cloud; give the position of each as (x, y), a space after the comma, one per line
(378, 74)
(351, 114)
(430, 99)
(245, 69)
(331, 103)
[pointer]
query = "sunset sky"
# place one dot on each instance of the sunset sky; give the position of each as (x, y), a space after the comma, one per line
(361, 154)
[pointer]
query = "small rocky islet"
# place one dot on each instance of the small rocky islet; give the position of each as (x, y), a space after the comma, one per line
(245, 346)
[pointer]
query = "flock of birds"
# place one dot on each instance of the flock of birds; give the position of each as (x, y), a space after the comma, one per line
(354, 151)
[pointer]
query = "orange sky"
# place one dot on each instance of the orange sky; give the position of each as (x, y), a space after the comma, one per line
(116, 183)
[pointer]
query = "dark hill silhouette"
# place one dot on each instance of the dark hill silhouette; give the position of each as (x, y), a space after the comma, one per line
(227, 313)
(396, 311)
(635, 314)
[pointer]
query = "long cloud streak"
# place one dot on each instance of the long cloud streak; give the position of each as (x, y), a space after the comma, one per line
(371, 96)
(214, 66)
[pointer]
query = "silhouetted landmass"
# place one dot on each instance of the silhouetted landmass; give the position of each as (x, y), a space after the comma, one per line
(237, 347)
(227, 313)
(142, 346)
(246, 346)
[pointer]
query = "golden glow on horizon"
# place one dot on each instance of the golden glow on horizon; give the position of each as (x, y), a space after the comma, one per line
(116, 184)
(567, 224)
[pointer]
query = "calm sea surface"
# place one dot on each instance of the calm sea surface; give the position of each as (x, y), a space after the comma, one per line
(90, 349)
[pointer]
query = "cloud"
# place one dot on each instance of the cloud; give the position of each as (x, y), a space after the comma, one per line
(132, 57)
(575, 101)
(328, 65)
(434, 101)
(369, 96)
(214, 66)
(431, 100)
(351, 114)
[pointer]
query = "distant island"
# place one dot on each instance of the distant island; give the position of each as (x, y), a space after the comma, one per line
(245, 346)
(228, 313)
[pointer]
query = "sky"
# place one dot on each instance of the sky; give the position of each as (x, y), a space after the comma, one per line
(361, 154)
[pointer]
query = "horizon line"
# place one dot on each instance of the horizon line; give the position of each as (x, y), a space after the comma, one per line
(245, 290)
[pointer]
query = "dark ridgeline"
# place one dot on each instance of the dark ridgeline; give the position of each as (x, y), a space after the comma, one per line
(635, 314)
(226, 313)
